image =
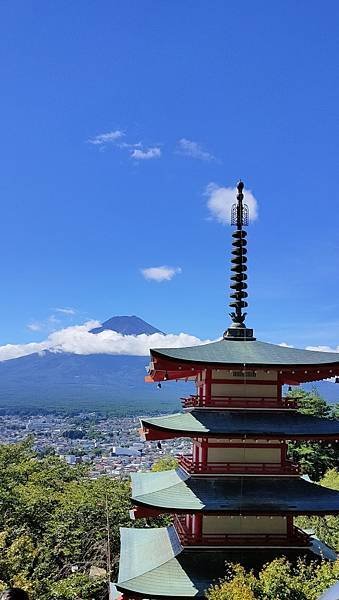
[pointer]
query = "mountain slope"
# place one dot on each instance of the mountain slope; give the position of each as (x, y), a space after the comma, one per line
(73, 382)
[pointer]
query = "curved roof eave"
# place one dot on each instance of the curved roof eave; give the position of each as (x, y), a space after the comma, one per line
(232, 494)
(183, 573)
(240, 423)
(250, 353)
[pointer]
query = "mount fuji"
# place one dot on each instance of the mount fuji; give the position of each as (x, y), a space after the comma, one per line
(61, 381)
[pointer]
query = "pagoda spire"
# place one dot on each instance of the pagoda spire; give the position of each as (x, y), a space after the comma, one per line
(239, 218)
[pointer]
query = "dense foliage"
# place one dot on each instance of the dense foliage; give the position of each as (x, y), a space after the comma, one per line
(166, 463)
(277, 580)
(326, 528)
(53, 525)
(314, 458)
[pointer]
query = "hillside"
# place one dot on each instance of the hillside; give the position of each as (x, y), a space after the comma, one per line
(74, 382)
(92, 382)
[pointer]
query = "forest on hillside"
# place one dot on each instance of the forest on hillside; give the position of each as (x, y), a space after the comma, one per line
(59, 530)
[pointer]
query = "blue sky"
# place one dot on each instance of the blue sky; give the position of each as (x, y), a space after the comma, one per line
(202, 93)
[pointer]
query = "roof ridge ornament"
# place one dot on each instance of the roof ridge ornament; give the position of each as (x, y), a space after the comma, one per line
(239, 218)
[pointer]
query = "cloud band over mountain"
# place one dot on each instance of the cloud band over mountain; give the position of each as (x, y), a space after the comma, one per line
(78, 340)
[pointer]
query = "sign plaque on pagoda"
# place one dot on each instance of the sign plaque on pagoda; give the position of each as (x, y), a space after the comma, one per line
(236, 496)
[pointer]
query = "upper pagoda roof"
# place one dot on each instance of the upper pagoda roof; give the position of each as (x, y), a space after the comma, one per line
(175, 490)
(154, 564)
(245, 423)
(240, 352)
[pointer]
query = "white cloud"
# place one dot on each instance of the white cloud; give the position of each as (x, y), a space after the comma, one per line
(78, 340)
(66, 311)
(323, 348)
(193, 149)
(106, 138)
(53, 319)
(221, 199)
(146, 154)
(35, 326)
(50, 323)
(162, 273)
(285, 345)
(136, 150)
(130, 145)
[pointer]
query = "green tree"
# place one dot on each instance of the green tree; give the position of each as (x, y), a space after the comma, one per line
(310, 403)
(54, 518)
(237, 585)
(79, 585)
(314, 458)
(326, 528)
(277, 580)
(166, 463)
(53, 525)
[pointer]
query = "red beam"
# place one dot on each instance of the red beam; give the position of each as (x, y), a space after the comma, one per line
(249, 382)
(156, 376)
(298, 374)
(152, 434)
(143, 512)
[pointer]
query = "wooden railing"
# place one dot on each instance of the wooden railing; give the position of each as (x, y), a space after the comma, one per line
(260, 468)
(187, 538)
(237, 402)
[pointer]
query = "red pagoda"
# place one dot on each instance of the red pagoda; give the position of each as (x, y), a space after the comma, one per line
(234, 498)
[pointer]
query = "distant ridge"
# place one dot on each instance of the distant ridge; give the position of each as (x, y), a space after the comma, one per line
(127, 325)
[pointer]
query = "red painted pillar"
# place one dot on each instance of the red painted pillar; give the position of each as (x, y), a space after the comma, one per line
(204, 451)
(290, 527)
(283, 454)
(195, 453)
(200, 389)
(197, 526)
(208, 386)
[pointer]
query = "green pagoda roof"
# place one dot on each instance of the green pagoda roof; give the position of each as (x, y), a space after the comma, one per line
(248, 352)
(154, 564)
(250, 423)
(176, 490)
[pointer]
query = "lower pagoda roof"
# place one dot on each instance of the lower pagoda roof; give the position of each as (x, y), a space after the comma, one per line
(281, 424)
(176, 491)
(153, 563)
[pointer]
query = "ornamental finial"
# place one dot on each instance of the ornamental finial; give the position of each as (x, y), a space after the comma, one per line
(239, 218)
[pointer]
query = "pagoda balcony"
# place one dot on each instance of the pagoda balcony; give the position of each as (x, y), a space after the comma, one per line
(228, 468)
(193, 401)
(187, 538)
